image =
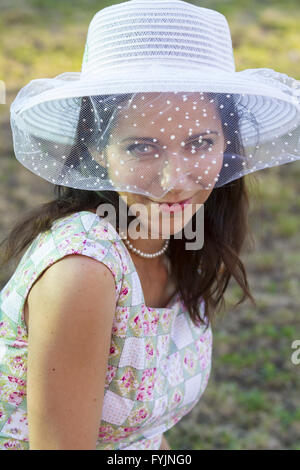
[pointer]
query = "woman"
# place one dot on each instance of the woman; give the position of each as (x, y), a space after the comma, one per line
(106, 337)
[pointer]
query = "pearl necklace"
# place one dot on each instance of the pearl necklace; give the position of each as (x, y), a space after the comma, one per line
(146, 255)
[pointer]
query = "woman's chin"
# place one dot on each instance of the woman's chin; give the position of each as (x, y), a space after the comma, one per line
(164, 227)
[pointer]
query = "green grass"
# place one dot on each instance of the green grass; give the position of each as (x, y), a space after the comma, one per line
(263, 34)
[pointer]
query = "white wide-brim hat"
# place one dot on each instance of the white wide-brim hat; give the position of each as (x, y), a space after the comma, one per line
(160, 46)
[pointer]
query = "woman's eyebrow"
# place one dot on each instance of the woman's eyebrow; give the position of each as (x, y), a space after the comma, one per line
(192, 137)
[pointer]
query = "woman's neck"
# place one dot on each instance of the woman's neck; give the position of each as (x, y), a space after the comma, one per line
(146, 245)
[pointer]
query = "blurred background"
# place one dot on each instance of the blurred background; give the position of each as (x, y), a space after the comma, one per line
(252, 400)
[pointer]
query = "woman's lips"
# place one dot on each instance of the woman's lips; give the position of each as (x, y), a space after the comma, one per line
(174, 206)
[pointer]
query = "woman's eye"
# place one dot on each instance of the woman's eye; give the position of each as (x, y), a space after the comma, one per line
(142, 149)
(147, 149)
(198, 143)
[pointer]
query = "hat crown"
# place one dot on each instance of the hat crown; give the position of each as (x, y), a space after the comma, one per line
(143, 33)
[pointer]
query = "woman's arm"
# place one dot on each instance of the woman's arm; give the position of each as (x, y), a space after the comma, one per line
(164, 444)
(71, 310)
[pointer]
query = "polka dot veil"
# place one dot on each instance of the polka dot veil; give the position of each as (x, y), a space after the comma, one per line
(150, 143)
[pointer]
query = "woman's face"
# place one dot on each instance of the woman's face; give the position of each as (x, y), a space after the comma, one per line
(171, 146)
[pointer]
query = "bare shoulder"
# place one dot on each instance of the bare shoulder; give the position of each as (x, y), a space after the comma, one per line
(73, 299)
(71, 311)
(71, 279)
(73, 268)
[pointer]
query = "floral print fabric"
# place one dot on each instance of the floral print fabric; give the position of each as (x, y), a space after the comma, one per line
(159, 362)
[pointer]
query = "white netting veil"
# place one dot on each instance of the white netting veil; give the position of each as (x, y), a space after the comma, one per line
(158, 105)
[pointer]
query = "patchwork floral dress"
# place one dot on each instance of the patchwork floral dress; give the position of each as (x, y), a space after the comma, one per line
(159, 362)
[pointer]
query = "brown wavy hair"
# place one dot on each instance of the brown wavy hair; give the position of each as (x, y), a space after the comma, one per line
(225, 223)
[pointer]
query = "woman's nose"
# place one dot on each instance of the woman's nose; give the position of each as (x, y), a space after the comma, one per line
(175, 172)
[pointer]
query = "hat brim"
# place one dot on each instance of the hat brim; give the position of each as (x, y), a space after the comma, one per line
(49, 108)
